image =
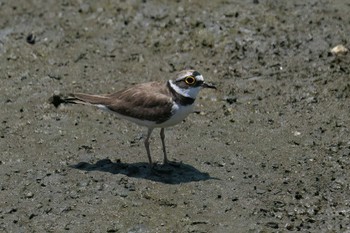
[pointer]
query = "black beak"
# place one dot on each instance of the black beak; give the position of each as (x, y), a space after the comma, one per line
(208, 85)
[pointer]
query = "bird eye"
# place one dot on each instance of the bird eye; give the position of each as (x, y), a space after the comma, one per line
(190, 80)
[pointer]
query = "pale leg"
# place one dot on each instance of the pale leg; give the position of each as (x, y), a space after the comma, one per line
(162, 136)
(149, 132)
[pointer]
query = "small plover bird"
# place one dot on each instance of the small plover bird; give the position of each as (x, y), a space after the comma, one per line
(153, 104)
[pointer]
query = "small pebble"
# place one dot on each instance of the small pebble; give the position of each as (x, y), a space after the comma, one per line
(29, 195)
(339, 50)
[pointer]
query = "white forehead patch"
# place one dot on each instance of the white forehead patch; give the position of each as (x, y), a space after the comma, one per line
(199, 78)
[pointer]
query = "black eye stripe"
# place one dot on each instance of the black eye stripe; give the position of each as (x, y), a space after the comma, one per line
(199, 83)
(184, 83)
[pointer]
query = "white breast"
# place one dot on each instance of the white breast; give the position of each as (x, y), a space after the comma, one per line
(179, 114)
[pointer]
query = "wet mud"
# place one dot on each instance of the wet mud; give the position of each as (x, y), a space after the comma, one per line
(267, 152)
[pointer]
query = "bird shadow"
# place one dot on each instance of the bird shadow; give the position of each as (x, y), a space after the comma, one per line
(174, 173)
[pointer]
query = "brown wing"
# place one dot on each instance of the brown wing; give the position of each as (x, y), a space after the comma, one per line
(147, 101)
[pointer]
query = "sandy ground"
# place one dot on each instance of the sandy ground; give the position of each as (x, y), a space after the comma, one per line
(269, 151)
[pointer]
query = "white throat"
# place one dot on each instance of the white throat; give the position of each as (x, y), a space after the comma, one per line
(191, 92)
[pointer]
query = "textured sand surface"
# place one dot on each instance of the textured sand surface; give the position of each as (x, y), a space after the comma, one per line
(268, 152)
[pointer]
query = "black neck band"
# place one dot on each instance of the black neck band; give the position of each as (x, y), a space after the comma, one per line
(180, 99)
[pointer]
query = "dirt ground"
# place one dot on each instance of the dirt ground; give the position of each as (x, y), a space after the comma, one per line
(268, 152)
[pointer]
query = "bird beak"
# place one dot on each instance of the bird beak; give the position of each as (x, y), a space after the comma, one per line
(208, 85)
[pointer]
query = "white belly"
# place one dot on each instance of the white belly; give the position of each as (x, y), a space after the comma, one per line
(179, 114)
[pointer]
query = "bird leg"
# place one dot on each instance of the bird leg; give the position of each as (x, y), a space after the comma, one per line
(149, 132)
(162, 136)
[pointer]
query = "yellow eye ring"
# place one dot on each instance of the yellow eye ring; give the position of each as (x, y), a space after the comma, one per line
(190, 80)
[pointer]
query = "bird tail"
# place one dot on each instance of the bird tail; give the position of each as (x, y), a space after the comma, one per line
(79, 98)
